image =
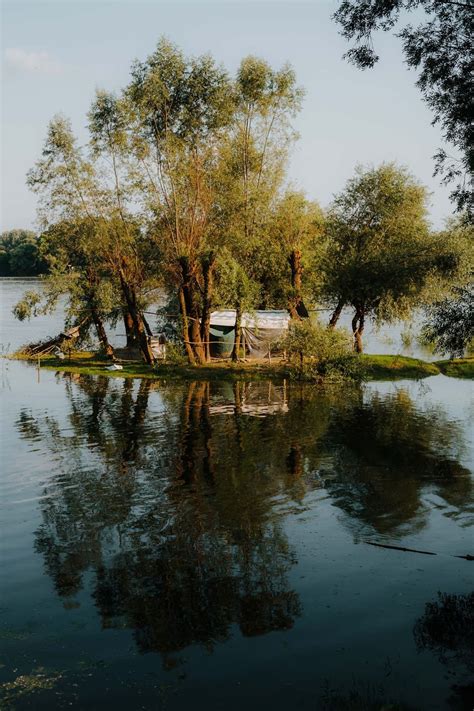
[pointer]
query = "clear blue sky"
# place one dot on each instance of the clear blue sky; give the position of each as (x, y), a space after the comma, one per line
(55, 54)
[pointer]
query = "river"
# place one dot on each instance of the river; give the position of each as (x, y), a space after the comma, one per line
(208, 545)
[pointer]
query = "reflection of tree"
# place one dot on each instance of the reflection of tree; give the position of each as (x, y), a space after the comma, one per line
(386, 454)
(447, 628)
(164, 515)
(177, 509)
(90, 501)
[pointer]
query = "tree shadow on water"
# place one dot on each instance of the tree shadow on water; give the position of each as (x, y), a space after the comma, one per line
(447, 630)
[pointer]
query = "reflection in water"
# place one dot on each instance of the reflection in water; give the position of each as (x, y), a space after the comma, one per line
(175, 499)
(447, 629)
(386, 454)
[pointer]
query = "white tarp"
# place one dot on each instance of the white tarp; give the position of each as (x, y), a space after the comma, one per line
(261, 330)
(267, 320)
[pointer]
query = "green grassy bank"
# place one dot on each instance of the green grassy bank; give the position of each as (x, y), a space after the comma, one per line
(375, 367)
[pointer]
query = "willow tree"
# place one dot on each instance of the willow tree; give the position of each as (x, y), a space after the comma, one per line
(179, 108)
(381, 256)
(253, 162)
(125, 249)
(439, 46)
(68, 208)
(235, 287)
(296, 230)
(449, 318)
(76, 271)
(72, 191)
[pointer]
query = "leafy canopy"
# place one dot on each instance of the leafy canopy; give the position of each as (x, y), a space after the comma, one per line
(381, 254)
(440, 48)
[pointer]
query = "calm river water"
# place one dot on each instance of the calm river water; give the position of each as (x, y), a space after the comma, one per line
(207, 545)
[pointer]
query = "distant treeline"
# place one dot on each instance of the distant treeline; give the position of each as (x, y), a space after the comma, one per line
(20, 254)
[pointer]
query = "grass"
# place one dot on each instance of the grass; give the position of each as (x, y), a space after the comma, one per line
(375, 367)
(457, 368)
(88, 363)
(395, 367)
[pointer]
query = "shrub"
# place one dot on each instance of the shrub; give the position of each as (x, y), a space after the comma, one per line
(175, 354)
(450, 322)
(314, 351)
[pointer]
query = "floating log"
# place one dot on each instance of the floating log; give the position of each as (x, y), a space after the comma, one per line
(415, 550)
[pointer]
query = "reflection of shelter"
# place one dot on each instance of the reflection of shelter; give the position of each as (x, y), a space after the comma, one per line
(261, 331)
(253, 399)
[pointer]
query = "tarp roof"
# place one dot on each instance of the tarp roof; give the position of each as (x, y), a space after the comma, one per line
(257, 319)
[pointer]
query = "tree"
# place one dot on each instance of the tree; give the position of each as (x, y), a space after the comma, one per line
(381, 255)
(440, 47)
(179, 108)
(235, 288)
(253, 161)
(20, 254)
(123, 243)
(295, 230)
(71, 192)
(450, 323)
(183, 165)
(76, 271)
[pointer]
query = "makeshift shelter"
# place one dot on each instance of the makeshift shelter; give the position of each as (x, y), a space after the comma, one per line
(158, 346)
(261, 331)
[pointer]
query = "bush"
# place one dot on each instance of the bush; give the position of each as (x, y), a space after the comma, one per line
(175, 353)
(450, 323)
(314, 352)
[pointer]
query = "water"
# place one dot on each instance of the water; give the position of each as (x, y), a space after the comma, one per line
(206, 545)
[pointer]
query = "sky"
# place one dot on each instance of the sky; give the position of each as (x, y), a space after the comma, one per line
(56, 54)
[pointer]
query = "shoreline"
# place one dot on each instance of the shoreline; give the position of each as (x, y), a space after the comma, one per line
(375, 367)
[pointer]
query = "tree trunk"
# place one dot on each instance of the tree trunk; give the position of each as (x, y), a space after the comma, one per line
(297, 307)
(129, 330)
(185, 326)
(196, 341)
(336, 314)
(101, 332)
(131, 300)
(238, 332)
(208, 275)
(188, 286)
(147, 326)
(358, 329)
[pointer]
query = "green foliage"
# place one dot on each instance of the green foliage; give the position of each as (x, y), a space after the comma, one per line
(450, 322)
(253, 156)
(171, 94)
(296, 241)
(29, 305)
(381, 257)
(234, 285)
(175, 354)
(182, 185)
(20, 254)
(315, 351)
(440, 49)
